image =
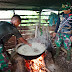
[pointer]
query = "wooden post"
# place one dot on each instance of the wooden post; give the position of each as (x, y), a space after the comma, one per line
(39, 18)
(36, 31)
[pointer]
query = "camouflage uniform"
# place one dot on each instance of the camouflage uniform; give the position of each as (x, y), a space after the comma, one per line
(5, 35)
(4, 60)
(63, 30)
(63, 39)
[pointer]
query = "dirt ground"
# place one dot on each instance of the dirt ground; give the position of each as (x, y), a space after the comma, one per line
(64, 65)
(59, 64)
(54, 65)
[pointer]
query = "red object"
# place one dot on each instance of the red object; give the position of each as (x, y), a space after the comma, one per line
(27, 63)
(70, 15)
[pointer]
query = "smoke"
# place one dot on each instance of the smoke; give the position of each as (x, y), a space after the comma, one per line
(43, 39)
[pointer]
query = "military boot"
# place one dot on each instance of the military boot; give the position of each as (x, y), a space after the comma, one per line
(57, 52)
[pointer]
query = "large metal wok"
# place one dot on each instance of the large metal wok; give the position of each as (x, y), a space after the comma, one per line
(29, 57)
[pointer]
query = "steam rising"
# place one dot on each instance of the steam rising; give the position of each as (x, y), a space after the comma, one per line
(44, 38)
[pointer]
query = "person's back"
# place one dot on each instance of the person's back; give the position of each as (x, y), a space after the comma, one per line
(6, 31)
(5, 27)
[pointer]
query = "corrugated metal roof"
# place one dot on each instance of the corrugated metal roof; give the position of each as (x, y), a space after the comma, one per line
(32, 4)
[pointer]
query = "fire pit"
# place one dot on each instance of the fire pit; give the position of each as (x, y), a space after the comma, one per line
(34, 62)
(36, 65)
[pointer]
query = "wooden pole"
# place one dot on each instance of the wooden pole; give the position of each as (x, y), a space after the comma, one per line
(39, 18)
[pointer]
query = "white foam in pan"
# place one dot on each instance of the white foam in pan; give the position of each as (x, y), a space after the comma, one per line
(35, 49)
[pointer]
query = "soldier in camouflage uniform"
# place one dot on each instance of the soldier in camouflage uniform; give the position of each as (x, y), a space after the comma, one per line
(7, 29)
(63, 31)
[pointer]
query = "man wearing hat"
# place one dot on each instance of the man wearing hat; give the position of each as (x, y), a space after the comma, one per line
(63, 31)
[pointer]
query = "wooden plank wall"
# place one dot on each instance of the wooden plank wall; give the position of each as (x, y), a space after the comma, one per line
(27, 32)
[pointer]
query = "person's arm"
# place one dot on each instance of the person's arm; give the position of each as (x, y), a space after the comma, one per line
(57, 26)
(58, 23)
(71, 38)
(19, 36)
(71, 29)
(24, 41)
(70, 22)
(71, 33)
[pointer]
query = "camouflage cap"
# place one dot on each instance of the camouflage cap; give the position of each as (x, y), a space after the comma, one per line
(66, 6)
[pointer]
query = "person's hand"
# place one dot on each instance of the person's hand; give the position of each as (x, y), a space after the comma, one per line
(71, 38)
(54, 34)
(30, 44)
